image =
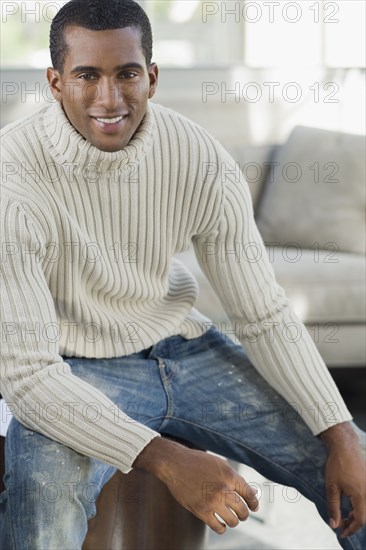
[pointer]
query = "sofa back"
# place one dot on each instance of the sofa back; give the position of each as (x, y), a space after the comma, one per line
(254, 161)
(309, 190)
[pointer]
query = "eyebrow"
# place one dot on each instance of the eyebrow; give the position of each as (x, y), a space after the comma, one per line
(90, 68)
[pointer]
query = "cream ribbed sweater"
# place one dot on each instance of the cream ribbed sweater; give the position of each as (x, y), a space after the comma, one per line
(89, 272)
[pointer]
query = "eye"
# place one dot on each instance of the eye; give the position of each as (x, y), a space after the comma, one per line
(87, 76)
(128, 75)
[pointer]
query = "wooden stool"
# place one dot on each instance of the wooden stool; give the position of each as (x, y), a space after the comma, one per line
(137, 512)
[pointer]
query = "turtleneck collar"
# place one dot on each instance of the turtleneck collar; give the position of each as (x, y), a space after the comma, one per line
(67, 145)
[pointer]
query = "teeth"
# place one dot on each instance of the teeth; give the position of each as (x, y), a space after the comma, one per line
(110, 120)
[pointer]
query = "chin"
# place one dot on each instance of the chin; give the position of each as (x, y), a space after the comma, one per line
(111, 147)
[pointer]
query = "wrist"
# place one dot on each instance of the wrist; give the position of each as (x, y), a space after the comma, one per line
(154, 458)
(340, 436)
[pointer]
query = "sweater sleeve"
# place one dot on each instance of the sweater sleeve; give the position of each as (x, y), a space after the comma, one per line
(38, 386)
(233, 257)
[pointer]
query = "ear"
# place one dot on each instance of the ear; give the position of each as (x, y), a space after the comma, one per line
(153, 72)
(54, 79)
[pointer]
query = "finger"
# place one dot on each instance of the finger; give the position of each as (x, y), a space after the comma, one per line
(248, 493)
(228, 516)
(225, 516)
(237, 504)
(334, 504)
(359, 508)
(356, 518)
(216, 524)
(351, 527)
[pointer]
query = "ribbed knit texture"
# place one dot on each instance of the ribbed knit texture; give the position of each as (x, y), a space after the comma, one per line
(89, 239)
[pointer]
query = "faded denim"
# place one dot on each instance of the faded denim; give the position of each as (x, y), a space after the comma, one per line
(203, 390)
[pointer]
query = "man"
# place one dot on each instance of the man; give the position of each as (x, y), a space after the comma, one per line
(103, 350)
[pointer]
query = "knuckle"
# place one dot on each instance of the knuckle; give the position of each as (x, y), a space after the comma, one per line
(357, 524)
(250, 494)
(239, 508)
(219, 529)
(232, 519)
(332, 491)
(205, 509)
(233, 522)
(243, 514)
(253, 503)
(231, 476)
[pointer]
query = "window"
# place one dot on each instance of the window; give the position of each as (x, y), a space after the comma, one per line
(258, 33)
(191, 33)
(25, 33)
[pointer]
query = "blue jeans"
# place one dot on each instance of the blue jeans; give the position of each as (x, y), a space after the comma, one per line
(205, 391)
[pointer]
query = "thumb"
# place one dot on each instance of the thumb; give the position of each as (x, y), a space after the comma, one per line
(334, 505)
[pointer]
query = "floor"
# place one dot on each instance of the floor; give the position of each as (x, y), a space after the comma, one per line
(288, 520)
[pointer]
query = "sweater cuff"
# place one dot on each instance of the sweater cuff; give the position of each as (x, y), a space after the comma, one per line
(126, 466)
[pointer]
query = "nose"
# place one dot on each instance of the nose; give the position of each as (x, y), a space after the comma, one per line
(110, 96)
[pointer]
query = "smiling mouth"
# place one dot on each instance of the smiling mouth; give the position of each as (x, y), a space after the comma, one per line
(110, 125)
(114, 120)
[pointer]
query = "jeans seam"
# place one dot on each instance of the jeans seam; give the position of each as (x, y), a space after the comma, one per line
(245, 447)
(266, 458)
(165, 379)
(9, 517)
(324, 500)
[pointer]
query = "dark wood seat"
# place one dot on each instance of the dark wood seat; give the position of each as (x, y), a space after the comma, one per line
(137, 512)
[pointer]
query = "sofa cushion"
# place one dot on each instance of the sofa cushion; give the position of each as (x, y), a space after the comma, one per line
(315, 191)
(323, 286)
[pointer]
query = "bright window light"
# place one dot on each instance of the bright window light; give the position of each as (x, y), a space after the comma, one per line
(181, 12)
(177, 53)
(285, 35)
(345, 44)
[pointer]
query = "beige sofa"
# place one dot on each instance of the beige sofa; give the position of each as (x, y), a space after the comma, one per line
(309, 202)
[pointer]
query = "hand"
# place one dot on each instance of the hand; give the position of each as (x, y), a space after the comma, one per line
(202, 483)
(345, 474)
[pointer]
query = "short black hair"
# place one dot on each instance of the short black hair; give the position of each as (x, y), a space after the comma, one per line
(98, 15)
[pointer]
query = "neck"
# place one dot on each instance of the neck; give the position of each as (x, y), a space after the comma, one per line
(68, 146)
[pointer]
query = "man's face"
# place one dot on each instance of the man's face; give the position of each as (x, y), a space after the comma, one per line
(105, 85)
